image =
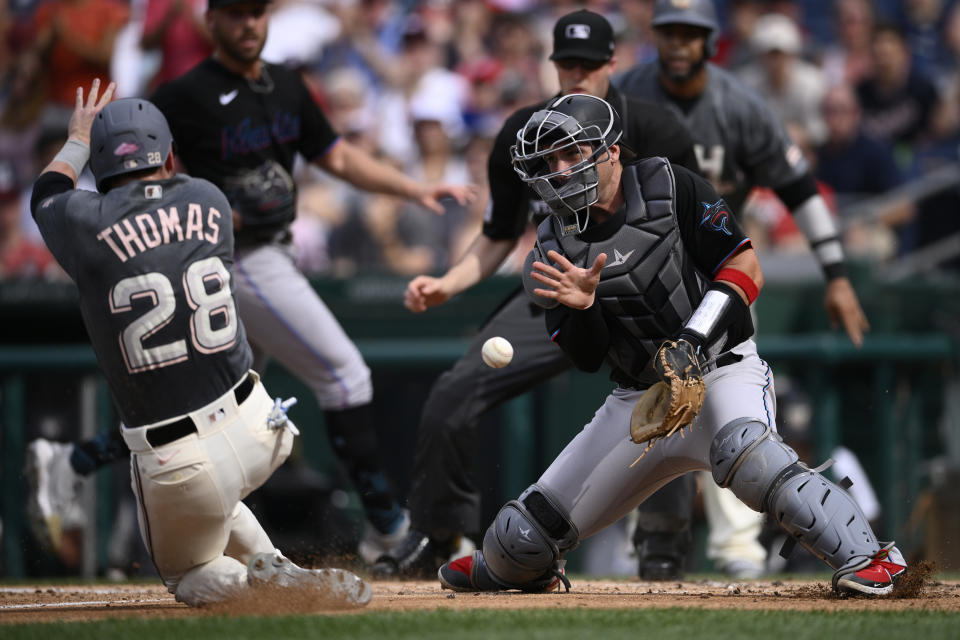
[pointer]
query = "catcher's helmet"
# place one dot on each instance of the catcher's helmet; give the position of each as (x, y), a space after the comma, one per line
(567, 122)
(697, 13)
(129, 134)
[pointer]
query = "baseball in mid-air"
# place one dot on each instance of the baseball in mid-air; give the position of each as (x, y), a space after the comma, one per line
(497, 352)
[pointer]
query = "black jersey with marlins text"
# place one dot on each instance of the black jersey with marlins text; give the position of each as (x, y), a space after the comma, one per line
(152, 261)
(739, 141)
(224, 125)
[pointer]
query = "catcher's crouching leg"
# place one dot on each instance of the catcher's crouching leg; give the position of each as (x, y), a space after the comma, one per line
(522, 549)
(750, 458)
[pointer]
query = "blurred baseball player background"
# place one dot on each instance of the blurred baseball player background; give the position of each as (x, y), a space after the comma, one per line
(867, 95)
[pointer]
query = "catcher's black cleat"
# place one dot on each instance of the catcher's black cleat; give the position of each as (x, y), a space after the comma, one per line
(418, 556)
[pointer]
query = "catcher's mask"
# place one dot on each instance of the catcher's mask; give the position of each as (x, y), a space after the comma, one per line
(578, 124)
(128, 135)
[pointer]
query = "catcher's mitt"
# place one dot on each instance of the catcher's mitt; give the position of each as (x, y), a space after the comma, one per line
(672, 404)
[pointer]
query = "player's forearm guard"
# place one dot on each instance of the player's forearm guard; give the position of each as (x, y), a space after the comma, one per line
(814, 219)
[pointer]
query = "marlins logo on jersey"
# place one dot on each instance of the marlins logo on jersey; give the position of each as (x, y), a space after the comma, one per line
(715, 216)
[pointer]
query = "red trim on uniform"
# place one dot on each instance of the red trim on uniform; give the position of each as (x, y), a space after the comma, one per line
(742, 280)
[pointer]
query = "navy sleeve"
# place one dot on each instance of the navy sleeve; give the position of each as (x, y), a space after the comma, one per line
(508, 212)
(710, 232)
(582, 334)
(48, 204)
(316, 134)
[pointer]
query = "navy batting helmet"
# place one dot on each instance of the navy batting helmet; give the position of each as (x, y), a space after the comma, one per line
(567, 123)
(697, 13)
(128, 135)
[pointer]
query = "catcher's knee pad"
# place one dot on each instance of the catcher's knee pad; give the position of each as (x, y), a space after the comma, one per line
(765, 473)
(523, 546)
(748, 456)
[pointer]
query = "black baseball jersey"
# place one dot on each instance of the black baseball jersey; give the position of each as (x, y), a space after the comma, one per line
(225, 126)
(706, 236)
(739, 141)
(153, 263)
(648, 130)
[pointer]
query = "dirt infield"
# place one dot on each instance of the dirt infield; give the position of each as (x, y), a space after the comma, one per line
(95, 602)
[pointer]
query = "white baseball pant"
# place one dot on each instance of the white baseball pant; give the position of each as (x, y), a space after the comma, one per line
(189, 491)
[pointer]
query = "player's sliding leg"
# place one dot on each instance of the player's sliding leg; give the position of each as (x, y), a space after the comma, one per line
(55, 472)
(750, 458)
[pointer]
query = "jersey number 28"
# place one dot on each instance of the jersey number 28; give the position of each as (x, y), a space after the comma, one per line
(206, 306)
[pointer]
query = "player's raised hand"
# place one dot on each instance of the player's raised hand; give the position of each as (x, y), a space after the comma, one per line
(569, 285)
(844, 309)
(431, 193)
(424, 292)
(86, 110)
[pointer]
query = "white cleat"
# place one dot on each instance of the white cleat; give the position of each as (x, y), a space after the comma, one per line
(374, 544)
(52, 504)
(334, 585)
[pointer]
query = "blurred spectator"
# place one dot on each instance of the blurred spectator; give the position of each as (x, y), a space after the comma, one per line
(921, 22)
(176, 29)
(365, 43)
(435, 129)
(849, 59)
(520, 51)
(418, 71)
(856, 165)
(897, 99)
(299, 31)
(733, 46)
(791, 86)
(635, 40)
(74, 43)
(472, 24)
(937, 215)
(20, 257)
(377, 237)
(484, 112)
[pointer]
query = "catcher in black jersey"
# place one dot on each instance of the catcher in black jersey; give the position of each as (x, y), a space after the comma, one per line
(152, 257)
(637, 266)
(443, 501)
(740, 144)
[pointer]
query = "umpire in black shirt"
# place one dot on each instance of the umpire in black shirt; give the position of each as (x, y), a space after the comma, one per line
(443, 501)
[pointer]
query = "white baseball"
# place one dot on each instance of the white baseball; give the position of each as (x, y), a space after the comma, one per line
(497, 352)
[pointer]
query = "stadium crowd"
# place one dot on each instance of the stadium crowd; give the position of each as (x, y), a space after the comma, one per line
(870, 92)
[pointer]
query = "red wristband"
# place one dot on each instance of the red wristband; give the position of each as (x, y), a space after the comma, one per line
(742, 280)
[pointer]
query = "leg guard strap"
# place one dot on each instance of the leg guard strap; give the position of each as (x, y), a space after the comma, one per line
(523, 547)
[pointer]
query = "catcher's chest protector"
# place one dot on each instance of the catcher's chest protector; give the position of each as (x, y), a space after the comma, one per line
(648, 284)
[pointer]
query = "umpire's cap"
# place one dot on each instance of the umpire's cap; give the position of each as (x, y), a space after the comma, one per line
(128, 135)
(584, 35)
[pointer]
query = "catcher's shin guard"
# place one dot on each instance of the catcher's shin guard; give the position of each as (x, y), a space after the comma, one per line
(524, 545)
(751, 459)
